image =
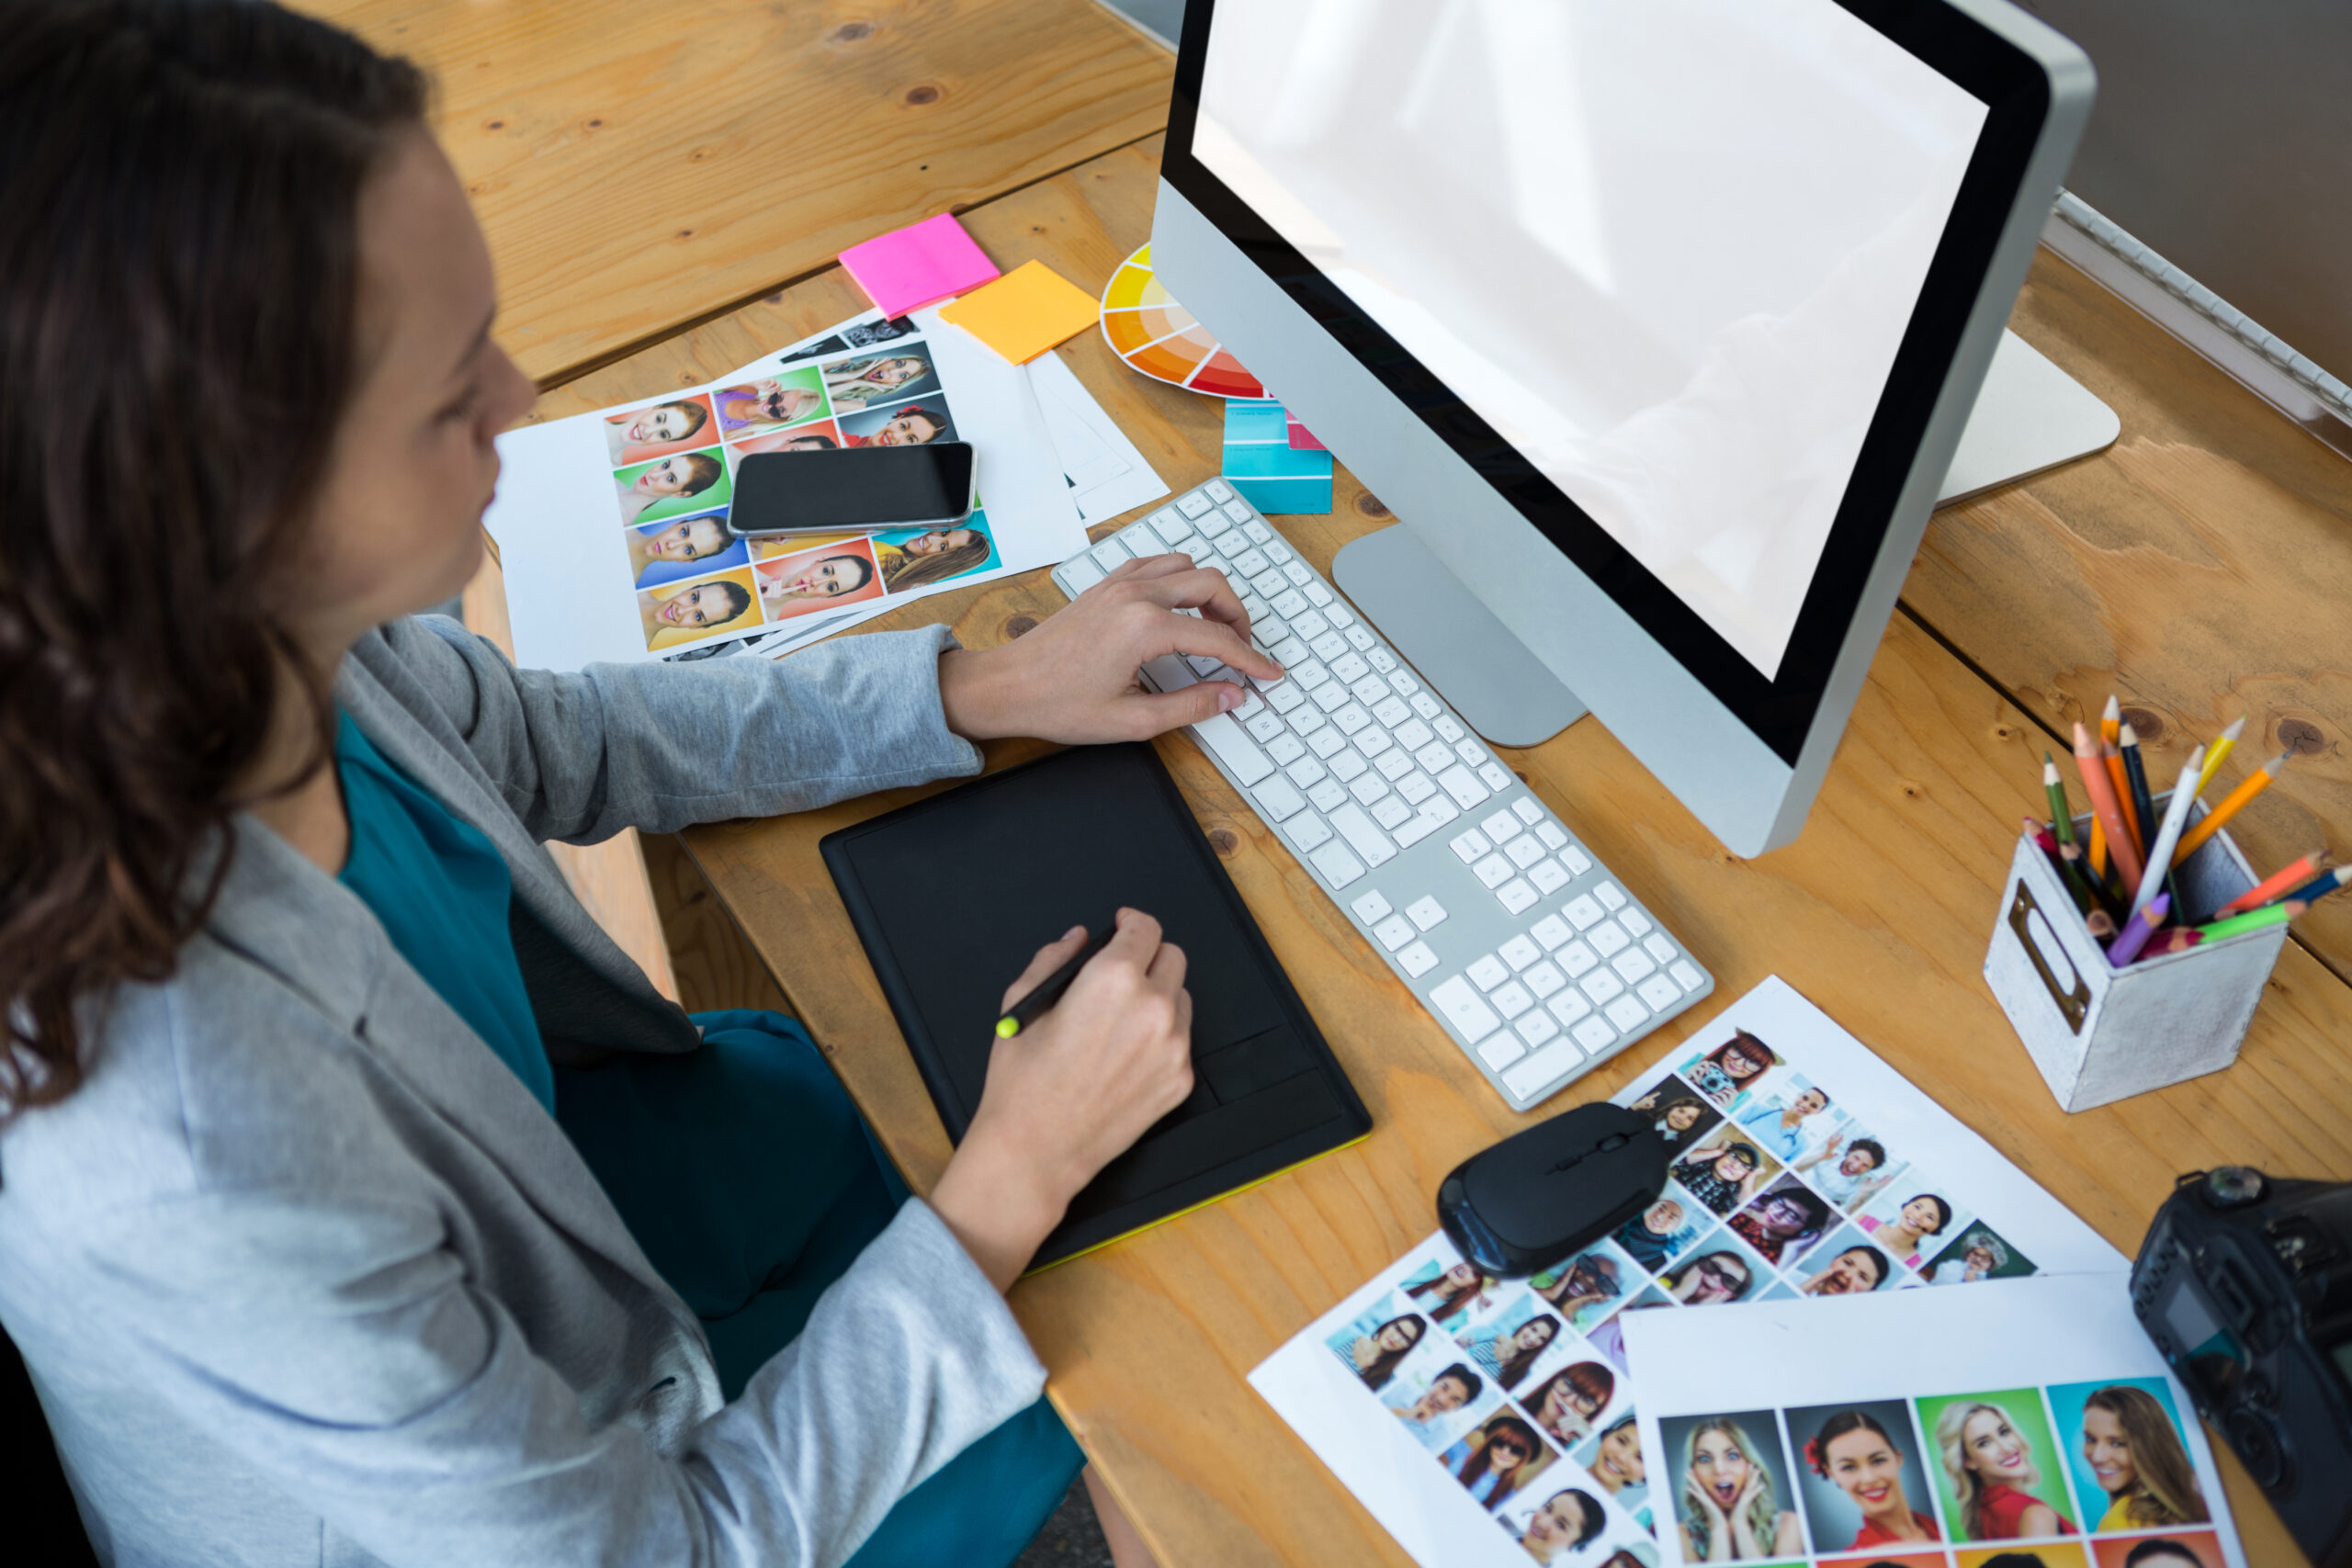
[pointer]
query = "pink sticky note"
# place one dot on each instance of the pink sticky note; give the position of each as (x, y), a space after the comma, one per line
(1301, 439)
(920, 265)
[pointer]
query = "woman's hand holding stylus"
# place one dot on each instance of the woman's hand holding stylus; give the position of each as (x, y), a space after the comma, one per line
(1069, 1093)
(1073, 678)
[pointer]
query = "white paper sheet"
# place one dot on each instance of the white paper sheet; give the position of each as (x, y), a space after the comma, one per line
(2046, 1386)
(1108, 474)
(1403, 1471)
(580, 590)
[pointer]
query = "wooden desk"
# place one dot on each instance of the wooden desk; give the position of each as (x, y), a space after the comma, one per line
(1880, 912)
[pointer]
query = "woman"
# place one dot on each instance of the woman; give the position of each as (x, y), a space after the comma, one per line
(1617, 1463)
(913, 425)
(657, 555)
(1780, 1128)
(363, 1202)
(675, 615)
(1920, 1217)
(1375, 1355)
(1724, 1074)
(671, 479)
(2129, 1444)
(663, 424)
(1728, 1510)
(1447, 1392)
(1849, 1181)
(1491, 1461)
(1856, 1271)
(828, 577)
(768, 402)
(1723, 1179)
(1784, 1224)
(1984, 1255)
(1856, 1454)
(858, 382)
(906, 566)
(1567, 1521)
(1706, 1281)
(1508, 1355)
(1588, 1283)
(1565, 1403)
(1682, 1119)
(1991, 1468)
(1448, 1294)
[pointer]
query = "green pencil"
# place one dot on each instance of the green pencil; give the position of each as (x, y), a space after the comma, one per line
(2062, 822)
(2253, 919)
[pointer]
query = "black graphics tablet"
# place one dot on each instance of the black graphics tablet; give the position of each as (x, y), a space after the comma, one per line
(954, 896)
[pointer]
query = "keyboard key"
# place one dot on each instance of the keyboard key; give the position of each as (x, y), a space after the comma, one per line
(1306, 831)
(1544, 978)
(1536, 1027)
(1517, 896)
(1417, 959)
(1306, 721)
(1290, 603)
(1350, 667)
(1193, 505)
(1520, 951)
(1548, 875)
(1568, 1007)
(1373, 693)
(1686, 974)
(1217, 490)
(1222, 539)
(1391, 812)
(1435, 756)
(1290, 653)
(1303, 770)
(1327, 793)
(1470, 751)
(1383, 661)
(1634, 965)
(1277, 801)
(1361, 639)
(1606, 938)
(1510, 999)
(1659, 991)
(1110, 553)
(1447, 730)
(1373, 741)
(1287, 749)
(1555, 837)
(1141, 541)
(1308, 672)
(1498, 777)
(1494, 871)
(1265, 726)
(1466, 791)
(1603, 987)
(1393, 764)
(1530, 810)
(1655, 944)
(1316, 593)
(1234, 509)
(1413, 733)
(1611, 896)
(1372, 908)
(1425, 912)
(1627, 1012)
(1582, 912)
(1575, 958)
(1464, 1007)
(1437, 809)
(1257, 531)
(1285, 695)
(1240, 754)
(1552, 932)
(1340, 614)
(1169, 525)
(1426, 705)
(1393, 932)
(1308, 622)
(1403, 682)
(1501, 1052)
(1369, 787)
(1578, 862)
(1332, 696)
(1321, 740)
(1251, 707)
(1363, 834)
(1524, 850)
(1487, 972)
(1502, 827)
(1636, 922)
(1250, 563)
(1543, 1067)
(1414, 787)
(1415, 828)
(1080, 574)
(1470, 846)
(1347, 764)
(1335, 864)
(1594, 1035)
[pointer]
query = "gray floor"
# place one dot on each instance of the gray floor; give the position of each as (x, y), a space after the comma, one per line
(1071, 1539)
(1164, 17)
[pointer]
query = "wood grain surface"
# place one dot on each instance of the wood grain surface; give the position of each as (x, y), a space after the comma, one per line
(641, 166)
(1879, 913)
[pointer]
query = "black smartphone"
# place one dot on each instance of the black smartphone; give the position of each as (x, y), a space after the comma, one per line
(837, 488)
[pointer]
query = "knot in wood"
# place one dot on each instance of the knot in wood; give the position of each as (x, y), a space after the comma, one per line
(1224, 840)
(1020, 626)
(925, 93)
(850, 32)
(2301, 737)
(1369, 504)
(2146, 725)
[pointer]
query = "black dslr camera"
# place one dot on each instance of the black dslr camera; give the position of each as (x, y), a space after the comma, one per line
(2245, 1285)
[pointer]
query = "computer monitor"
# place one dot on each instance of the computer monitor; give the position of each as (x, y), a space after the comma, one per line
(1657, 321)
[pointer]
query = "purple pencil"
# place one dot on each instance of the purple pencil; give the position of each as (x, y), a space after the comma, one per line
(2138, 930)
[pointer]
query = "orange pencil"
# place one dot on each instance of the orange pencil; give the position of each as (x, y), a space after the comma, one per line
(2270, 887)
(2100, 789)
(2098, 851)
(2123, 782)
(2231, 804)
(2110, 721)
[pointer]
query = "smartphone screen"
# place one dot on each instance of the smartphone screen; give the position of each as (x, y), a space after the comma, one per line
(853, 487)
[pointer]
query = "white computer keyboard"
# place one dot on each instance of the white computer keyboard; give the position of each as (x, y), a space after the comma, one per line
(1521, 946)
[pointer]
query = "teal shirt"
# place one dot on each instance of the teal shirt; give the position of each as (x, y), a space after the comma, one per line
(441, 892)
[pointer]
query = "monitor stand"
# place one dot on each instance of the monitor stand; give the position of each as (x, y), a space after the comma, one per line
(2029, 416)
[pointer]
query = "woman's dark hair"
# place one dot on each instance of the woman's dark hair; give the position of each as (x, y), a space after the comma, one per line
(1595, 1521)
(1816, 1452)
(737, 595)
(827, 442)
(706, 471)
(2156, 1550)
(1590, 1379)
(1509, 1372)
(1943, 1210)
(179, 274)
(1384, 1366)
(864, 569)
(1743, 1043)
(915, 571)
(1474, 1470)
(1876, 1150)
(1449, 1297)
(1471, 1381)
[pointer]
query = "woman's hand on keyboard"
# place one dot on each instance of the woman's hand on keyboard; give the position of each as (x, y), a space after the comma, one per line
(1069, 1093)
(1073, 678)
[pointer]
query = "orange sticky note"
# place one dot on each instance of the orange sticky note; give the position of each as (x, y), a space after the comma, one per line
(1024, 312)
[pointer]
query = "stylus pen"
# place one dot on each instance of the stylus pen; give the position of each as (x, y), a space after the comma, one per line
(1041, 999)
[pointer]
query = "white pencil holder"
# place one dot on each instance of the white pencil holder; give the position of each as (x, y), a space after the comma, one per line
(2099, 1033)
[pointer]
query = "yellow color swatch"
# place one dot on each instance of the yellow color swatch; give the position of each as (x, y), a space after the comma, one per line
(1023, 313)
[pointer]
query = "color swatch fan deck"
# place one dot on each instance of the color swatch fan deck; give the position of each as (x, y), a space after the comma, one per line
(1145, 327)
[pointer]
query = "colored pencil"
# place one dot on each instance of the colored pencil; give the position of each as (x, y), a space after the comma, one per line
(2111, 758)
(2173, 938)
(2184, 794)
(2099, 923)
(2285, 880)
(2062, 820)
(2137, 930)
(2100, 789)
(2223, 744)
(2089, 892)
(2097, 849)
(2320, 887)
(2111, 720)
(2231, 804)
(2253, 920)
(2135, 773)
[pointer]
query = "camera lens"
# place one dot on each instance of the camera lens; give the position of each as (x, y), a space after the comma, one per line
(2233, 1186)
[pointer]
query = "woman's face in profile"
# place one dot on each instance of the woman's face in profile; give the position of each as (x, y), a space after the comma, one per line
(671, 476)
(829, 579)
(896, 372)
(708, 606)
(694, 540)
(907, 430)
(659, 424)
(939, 540)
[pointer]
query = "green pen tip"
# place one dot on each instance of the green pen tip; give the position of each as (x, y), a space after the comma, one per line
(1006, 1028)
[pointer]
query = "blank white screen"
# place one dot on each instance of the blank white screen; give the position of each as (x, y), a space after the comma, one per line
(1667, 248)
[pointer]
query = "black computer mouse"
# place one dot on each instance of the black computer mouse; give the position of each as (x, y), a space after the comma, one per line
(1539, 1195)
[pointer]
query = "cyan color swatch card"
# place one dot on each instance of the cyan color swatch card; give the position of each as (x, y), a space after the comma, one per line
(1275, 477)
